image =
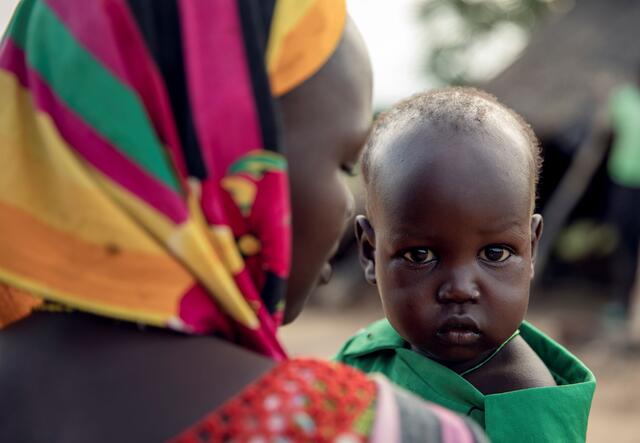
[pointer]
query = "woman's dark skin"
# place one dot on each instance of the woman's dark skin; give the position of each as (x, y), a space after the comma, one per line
(326, 123)
(78, 378)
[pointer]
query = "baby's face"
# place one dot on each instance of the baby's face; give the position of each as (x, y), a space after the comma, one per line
(453, 237)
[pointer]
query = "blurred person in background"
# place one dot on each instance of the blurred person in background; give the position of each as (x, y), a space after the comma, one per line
(145, 232)
(624, 198)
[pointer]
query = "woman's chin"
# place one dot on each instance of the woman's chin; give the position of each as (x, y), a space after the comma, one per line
(292, 311)
(297, 296)
(295, 301)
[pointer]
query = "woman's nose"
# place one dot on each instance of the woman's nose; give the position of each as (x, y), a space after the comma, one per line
(459, 288)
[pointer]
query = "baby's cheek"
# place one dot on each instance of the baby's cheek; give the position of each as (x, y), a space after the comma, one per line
(508, 307)
(398, 275)
(509, 281)
(405, 304)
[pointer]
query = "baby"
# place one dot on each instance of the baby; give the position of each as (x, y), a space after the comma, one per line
(450, 241)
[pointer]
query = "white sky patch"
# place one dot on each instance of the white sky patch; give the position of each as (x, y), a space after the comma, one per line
(6, 11)
(493, 54)
(396, 45)
(399, 45)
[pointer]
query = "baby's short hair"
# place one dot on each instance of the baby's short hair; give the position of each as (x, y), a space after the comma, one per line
(461, 109)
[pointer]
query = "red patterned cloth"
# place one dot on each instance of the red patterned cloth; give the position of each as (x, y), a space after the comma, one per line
(299, 401)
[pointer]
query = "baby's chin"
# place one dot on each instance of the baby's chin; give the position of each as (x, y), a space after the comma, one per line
(454, 357)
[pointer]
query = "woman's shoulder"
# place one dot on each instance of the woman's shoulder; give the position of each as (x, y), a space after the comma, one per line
(94, 379)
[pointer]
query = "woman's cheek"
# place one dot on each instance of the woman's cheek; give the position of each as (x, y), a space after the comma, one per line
(332, 213)
(324, 221)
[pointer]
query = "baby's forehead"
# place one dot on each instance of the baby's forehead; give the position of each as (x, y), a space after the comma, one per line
(453, 111)
(487, 161)
(493, 143)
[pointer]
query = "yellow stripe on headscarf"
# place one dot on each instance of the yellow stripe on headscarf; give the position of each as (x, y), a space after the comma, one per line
(63, 236)
(192, 244)
(49, 182)
(304, 34)
(58, 214)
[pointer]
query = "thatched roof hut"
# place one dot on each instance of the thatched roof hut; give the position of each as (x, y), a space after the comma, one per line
(571, 64)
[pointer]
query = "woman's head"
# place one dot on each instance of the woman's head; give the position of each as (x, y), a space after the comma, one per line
(184, 177)
(325, 121)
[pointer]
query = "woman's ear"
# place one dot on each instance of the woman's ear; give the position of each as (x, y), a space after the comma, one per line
(536, 233)
(365, 236)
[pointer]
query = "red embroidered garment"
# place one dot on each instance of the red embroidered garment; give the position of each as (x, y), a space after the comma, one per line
(299, 401)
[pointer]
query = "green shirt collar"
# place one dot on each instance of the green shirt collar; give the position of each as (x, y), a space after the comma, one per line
(565, 367)
(558, 413)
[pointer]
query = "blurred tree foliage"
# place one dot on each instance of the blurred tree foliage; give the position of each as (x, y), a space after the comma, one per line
(468, 23)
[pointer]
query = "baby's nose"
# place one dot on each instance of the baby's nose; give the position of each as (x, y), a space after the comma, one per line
(458, 289)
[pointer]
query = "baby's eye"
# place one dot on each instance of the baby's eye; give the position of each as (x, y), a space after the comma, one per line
(419, 256)
(495, 253)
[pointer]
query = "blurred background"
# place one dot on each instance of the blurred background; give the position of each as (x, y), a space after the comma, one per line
(571, 68)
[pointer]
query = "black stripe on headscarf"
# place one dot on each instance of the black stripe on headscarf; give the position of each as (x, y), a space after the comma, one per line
(256, 18)
(159, 22)
(272, 291)
(266, 16)
(253, 16)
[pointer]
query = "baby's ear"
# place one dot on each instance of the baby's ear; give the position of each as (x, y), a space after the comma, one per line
(536, 233)
(365, 236)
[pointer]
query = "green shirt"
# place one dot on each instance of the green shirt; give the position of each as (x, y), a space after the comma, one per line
(547, 414)
(624, 160)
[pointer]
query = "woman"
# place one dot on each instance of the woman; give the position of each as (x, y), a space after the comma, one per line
(143, 191)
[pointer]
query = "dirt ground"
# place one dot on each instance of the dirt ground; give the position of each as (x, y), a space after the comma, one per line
(572, 320)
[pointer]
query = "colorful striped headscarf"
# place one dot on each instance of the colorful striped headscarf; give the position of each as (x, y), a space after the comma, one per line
(141, 172)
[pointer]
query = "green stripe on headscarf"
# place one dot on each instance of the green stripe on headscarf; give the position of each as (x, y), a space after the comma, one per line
(89, 89)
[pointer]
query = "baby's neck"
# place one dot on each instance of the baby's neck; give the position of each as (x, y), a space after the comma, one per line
(511, 367)
(468, 366)
(515, 367)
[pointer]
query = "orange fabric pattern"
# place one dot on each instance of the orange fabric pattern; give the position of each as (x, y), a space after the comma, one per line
(15, 304)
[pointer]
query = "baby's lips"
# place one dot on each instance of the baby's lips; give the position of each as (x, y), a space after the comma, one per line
(459, 337)
(459, 322)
